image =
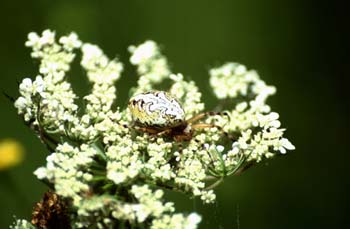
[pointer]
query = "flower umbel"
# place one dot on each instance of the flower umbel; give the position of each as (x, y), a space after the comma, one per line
(111, 168)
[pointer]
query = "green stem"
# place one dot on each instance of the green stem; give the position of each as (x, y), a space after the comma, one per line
(100, 152)
(216, 183)
(239, 169)
(106, 187)
(98, 178)
(209, 178)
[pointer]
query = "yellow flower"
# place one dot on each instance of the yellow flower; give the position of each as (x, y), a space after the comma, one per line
(11, 153)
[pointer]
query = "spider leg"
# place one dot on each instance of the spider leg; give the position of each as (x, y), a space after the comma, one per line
(164, 132)
(152, 132)
(148, 130)
(206, 114)
(203, 126)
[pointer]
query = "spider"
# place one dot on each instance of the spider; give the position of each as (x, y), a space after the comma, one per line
(159, 113)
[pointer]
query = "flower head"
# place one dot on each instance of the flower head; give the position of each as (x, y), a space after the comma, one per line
(113, 170)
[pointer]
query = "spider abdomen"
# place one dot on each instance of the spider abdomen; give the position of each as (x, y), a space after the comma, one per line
(156, 109)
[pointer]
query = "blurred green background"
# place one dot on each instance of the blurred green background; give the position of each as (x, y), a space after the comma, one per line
(296, 45)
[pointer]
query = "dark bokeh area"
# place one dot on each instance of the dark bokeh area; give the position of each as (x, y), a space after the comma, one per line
(298, 46)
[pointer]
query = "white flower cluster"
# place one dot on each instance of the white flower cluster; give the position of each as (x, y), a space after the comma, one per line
(103, 74)
(22, 224)
(107, 167)
(48, 101)
(153, 69)
(68, 168)
(188, 94)
(130, 159)
(149, 206)
(151, 65)
(124, 160)
(233, 79)
(258, 128)
(177, 221)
